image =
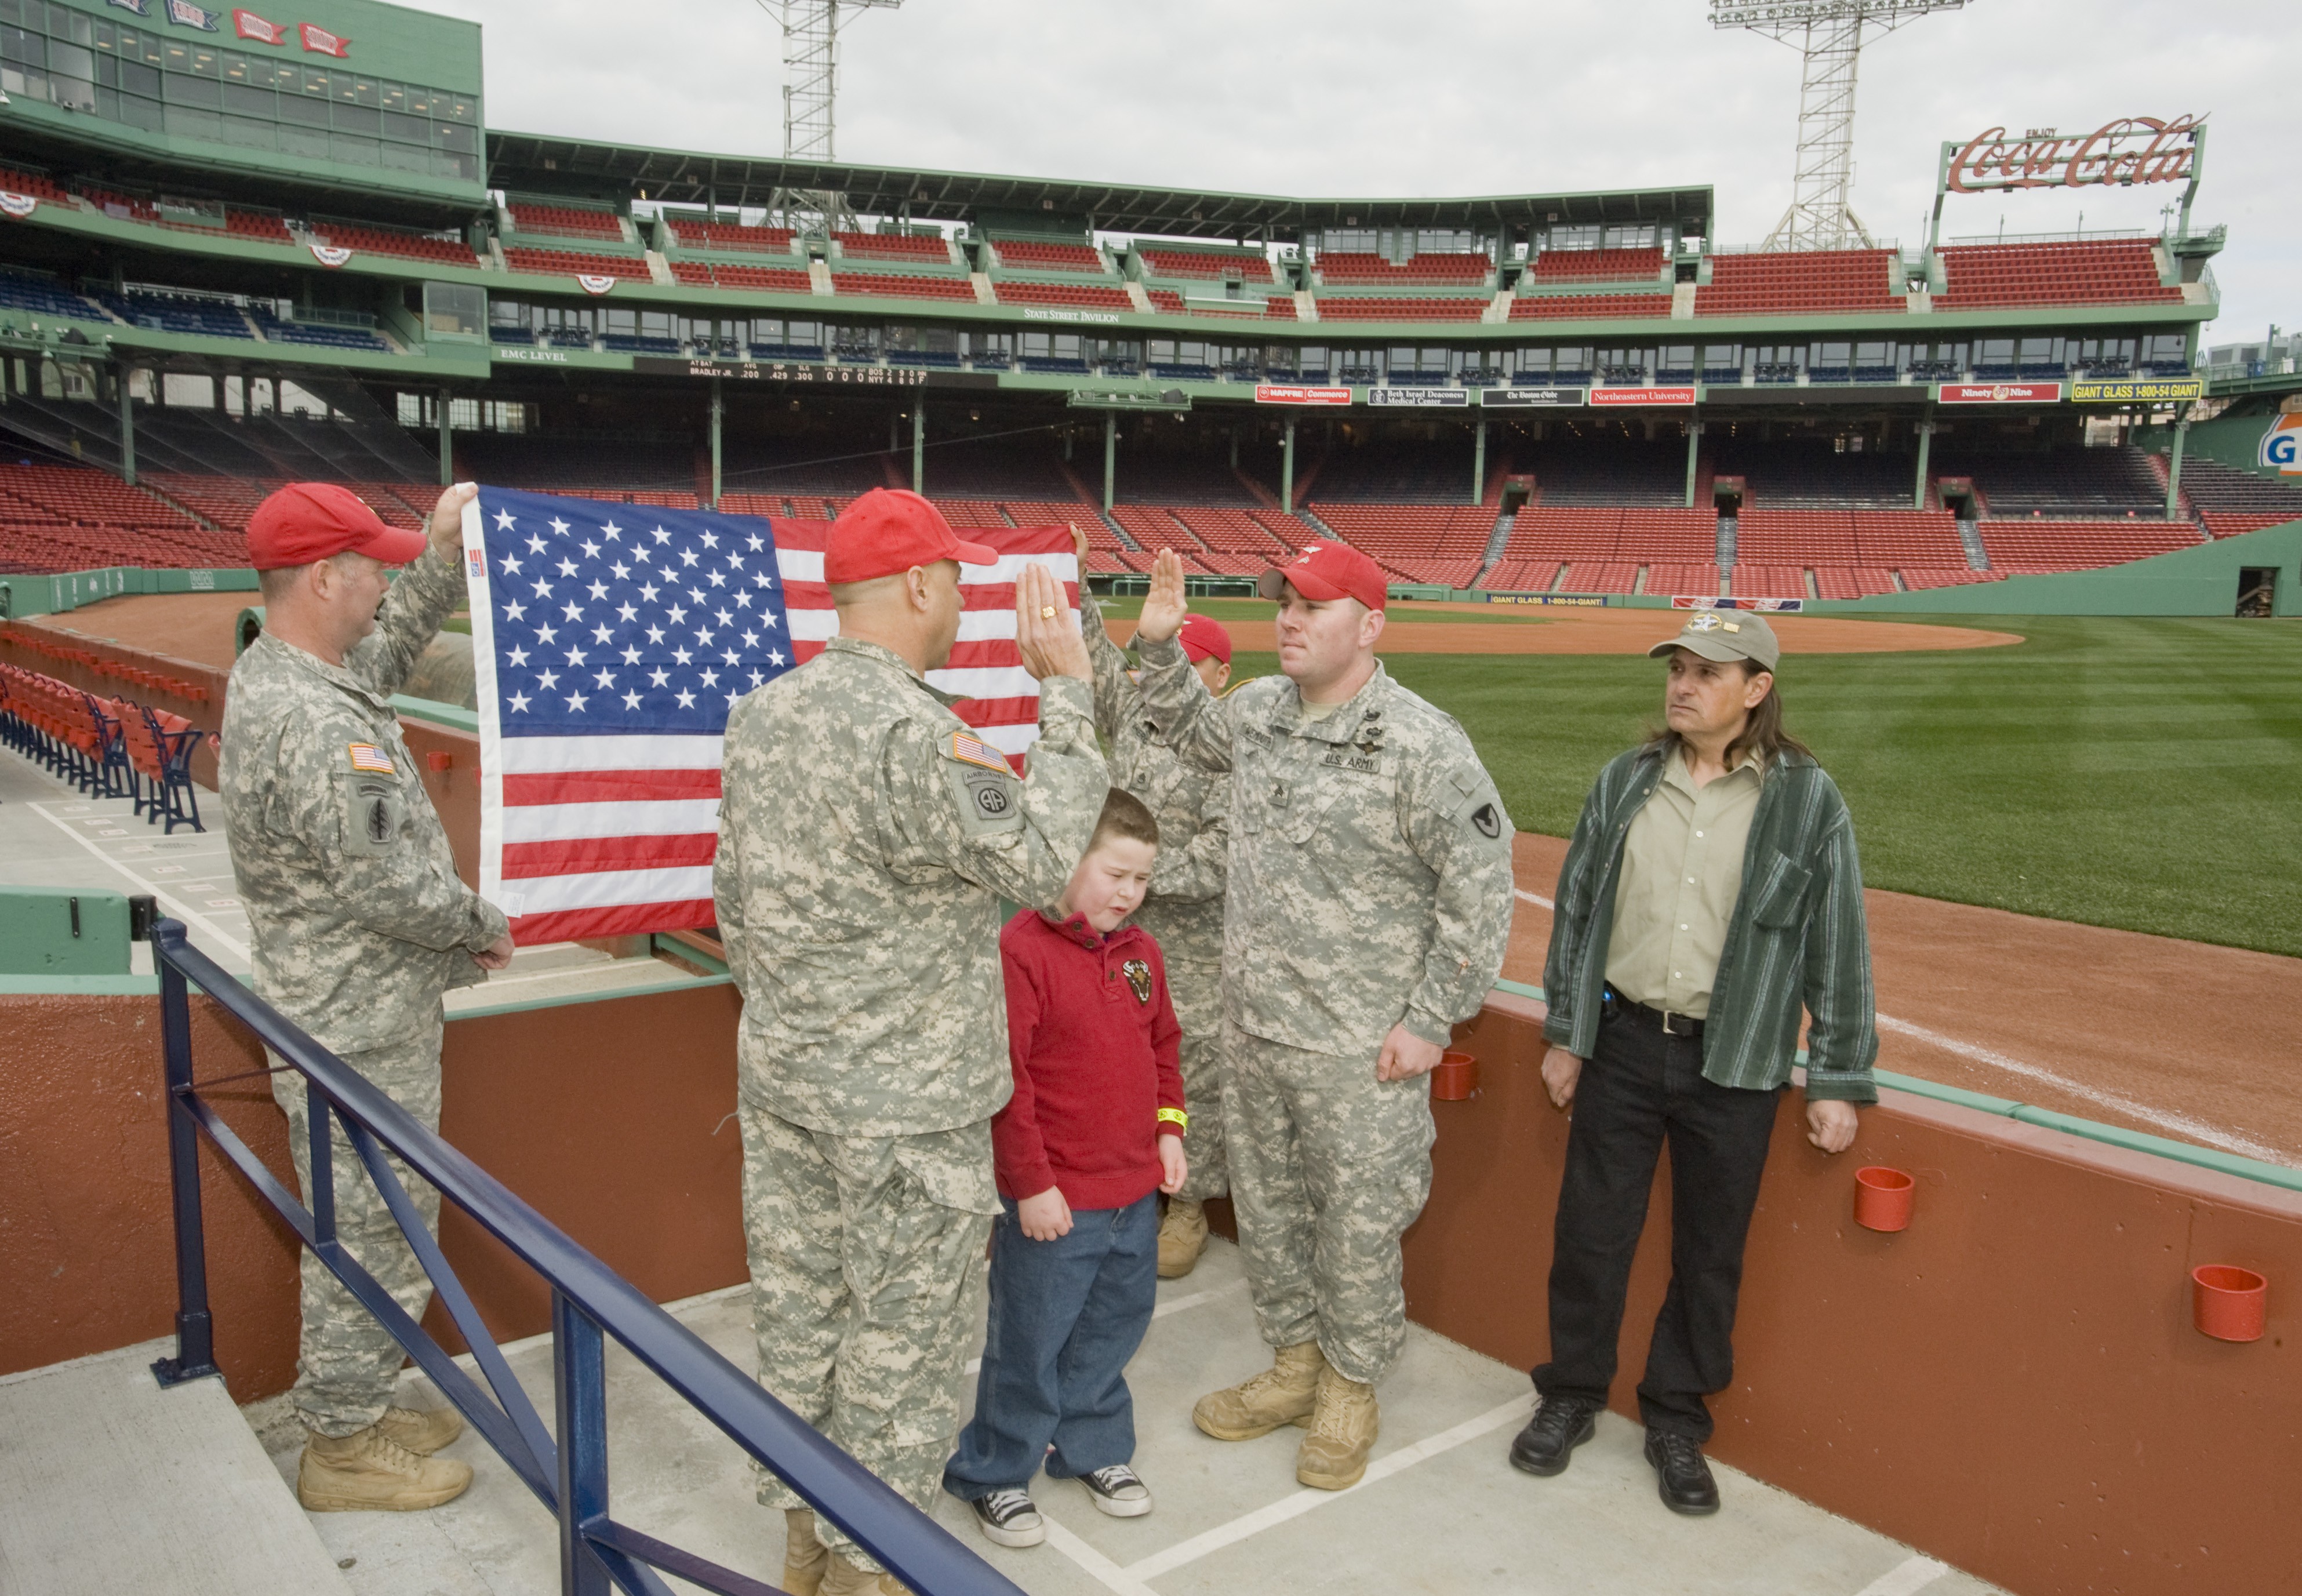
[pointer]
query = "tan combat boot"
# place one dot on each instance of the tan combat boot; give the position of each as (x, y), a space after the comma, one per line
(368, 1472)
(1334, 1454)
(1183, 1238)
(420, 1431)
(844, 1578)
(805, 1557)
(1285, 1393)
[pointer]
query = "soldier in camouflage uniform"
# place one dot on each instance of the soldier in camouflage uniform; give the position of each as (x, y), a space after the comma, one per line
(866, 839)
(1184, 908)
(1368, 905)
(360, 924)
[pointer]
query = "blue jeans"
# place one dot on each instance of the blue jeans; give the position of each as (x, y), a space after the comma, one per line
(1066, 1315)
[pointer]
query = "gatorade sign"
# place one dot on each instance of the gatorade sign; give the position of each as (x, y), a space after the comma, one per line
(2281, 447)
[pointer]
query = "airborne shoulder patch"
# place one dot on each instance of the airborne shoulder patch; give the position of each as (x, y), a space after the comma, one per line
(974, 751)
(367, 756)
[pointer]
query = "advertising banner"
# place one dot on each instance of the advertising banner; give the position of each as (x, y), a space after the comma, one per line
(2139, 391)
(1770, 606)
(1532, 397)
(1998, 393)
(1676, 393)
(1287, 393)
(1425, 399)
(2281, 447)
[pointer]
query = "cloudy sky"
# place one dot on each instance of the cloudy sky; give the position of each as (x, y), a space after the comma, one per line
(1450, 96)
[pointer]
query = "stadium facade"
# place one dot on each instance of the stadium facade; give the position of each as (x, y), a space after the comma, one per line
(236, 251)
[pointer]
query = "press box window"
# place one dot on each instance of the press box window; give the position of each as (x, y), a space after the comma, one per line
(455, 310)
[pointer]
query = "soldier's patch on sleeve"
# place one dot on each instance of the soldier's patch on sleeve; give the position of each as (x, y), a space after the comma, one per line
(989, 797)
(374, 812)
(367, 756)
(1477, 807)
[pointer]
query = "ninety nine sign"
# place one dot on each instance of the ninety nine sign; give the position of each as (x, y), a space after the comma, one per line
(2145, 391)
(2135, 149)
(1282, 393)
(1999, 394)
(1677, 394)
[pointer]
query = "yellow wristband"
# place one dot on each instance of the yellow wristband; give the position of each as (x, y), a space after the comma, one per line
(1175, 1116)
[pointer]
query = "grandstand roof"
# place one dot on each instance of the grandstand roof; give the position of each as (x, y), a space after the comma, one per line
(540, 163)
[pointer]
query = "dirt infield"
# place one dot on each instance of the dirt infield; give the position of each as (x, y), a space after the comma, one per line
(195, 626)
(2182, 1039)
(1621, 631)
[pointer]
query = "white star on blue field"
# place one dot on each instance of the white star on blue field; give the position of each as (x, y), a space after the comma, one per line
(627, 618)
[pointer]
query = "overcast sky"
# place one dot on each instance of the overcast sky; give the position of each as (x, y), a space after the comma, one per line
(1450, 97)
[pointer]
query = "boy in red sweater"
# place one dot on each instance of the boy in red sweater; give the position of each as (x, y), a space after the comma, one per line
(1093, 1134)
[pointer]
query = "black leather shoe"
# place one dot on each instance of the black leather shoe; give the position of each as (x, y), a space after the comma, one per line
(1681, 1475)
(1548, 1443)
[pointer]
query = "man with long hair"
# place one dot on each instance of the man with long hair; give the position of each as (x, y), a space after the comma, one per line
(1710, 893)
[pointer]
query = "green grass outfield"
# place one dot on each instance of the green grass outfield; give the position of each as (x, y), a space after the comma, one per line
(2142, 774)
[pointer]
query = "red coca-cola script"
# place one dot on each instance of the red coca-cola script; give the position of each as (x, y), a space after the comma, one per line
(2133, 149)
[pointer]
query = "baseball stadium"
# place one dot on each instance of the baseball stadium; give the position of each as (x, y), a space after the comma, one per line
(2032, 549)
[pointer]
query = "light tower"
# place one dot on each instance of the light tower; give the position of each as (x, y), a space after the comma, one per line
(1828, 34)
(811, 89)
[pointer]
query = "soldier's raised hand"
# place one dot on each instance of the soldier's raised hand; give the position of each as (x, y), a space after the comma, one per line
(1045, 634)
(446, 526)
(1163, 607)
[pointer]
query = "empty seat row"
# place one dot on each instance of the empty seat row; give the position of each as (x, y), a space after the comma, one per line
(1596, 266)
(1342, 266)
(919, 248)
(571, 221)
(1046, 255)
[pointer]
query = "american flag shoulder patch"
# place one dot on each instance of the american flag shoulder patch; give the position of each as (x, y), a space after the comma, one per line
(973, 750)
(367, 756)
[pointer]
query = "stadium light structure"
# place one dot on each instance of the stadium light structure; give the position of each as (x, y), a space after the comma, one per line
(1828, 35)
(810, 93)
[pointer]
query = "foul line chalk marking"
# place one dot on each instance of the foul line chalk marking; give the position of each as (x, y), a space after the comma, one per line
(1111, 1574)
(2180, 1124)
(1914, 1574)
(176, 905)
(1513, 1411)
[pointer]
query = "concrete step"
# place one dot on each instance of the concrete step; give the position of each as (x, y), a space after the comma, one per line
(109, 1485)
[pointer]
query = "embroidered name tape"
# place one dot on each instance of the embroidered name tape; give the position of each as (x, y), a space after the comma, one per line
(974, 751)
(367, 756)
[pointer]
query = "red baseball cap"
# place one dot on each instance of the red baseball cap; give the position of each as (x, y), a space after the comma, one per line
(1324, 571)
(306, 522)
(1202, 638)
(890, 530)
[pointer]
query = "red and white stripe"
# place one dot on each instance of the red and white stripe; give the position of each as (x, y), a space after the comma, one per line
(613, 835)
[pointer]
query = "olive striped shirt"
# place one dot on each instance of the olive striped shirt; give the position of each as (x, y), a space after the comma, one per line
(1797, 940)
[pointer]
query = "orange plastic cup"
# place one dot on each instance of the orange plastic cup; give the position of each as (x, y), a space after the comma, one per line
(1883, 1198)
(2229, 1303)
(1456, 1077)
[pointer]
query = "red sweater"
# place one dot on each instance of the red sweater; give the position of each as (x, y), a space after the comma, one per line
(1094, 1042)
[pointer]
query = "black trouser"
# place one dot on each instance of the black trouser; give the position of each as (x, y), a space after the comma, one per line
(1640, 1087)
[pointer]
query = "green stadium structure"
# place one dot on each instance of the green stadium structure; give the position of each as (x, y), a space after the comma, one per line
(237, 257)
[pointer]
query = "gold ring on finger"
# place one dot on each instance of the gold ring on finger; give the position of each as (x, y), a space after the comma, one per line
(1046, 612)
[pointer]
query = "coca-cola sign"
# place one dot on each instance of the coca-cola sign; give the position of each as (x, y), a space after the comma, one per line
(2133, 149)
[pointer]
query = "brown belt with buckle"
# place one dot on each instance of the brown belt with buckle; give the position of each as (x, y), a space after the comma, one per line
(1670, 1025)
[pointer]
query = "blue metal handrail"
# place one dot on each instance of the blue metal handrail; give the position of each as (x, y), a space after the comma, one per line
(590, 1304)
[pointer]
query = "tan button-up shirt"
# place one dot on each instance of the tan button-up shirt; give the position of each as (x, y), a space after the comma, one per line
(1682, 873)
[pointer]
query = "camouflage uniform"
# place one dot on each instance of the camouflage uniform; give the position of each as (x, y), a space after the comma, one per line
(1184, 907)
(1370, 884)
(360, 924)
(865, 844)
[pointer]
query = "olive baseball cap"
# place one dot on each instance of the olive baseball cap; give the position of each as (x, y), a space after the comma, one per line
(1723, 635)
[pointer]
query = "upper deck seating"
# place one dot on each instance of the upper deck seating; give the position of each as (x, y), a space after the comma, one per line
(1340, 267)
(1801, 283)
(2232, 500)
(1401, 307)
(574, 221)
(919, 249)
(568, 262)
(1045, 254)
(1550, 308)
(2105, 272)
(1813, 476)
(43, 297)
(32, 184)
(1597, 266)
(178, 313)
(394, 241)
(1077, 296)
(123, 207)
(2016, 547)
(1794, 537)
(264, 227)
(903, 285)
(1609, 471)
(1247, 266)
(2062, 482)
(1898, 538)
(322, 334)
(769, 279)
(729, 235)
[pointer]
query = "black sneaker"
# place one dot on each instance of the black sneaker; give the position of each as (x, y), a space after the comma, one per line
(1681, 1475)
(1117, 1492)
(1547, 1445)
(1011, 1517)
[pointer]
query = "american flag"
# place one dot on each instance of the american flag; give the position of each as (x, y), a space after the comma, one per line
(610, 641)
